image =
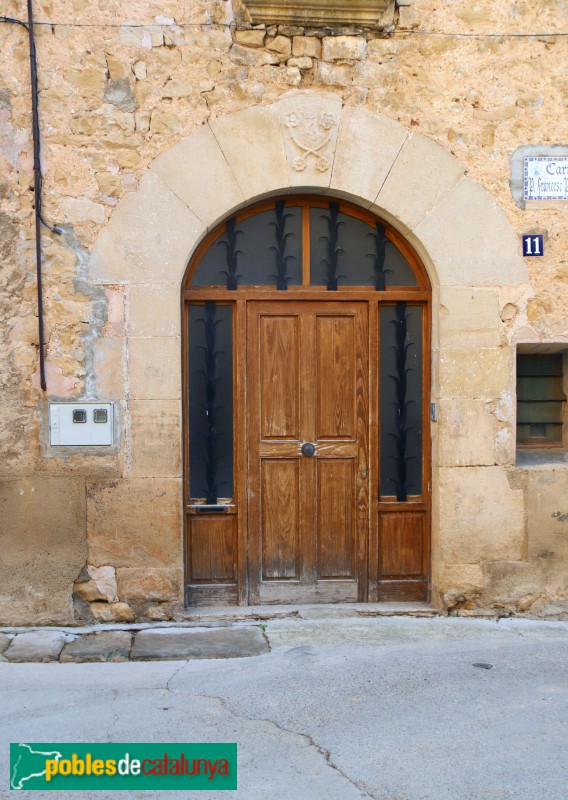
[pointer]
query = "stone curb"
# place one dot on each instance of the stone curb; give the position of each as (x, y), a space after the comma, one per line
(157, 644)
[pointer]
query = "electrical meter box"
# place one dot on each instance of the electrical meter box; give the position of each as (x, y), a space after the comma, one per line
(81, 424)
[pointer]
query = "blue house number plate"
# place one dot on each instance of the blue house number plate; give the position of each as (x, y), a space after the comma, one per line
(533, 245)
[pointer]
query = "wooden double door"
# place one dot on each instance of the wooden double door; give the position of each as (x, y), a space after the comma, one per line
(307, 451)
(324, 405)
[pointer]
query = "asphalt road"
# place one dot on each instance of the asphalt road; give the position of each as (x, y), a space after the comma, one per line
(385, 708)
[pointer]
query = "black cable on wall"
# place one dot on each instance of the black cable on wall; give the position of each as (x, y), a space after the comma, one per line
(39, 220)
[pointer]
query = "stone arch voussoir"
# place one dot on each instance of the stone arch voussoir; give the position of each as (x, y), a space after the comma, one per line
(308, 141)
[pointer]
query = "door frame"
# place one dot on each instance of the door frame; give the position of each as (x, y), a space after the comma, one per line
(237, 591)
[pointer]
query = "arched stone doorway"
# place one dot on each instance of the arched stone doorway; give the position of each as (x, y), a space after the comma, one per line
(408, 181)
(306, 385)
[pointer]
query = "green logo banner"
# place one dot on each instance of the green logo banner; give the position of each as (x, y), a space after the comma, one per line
(131, 766)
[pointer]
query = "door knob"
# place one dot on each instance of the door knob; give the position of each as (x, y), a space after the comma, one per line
(308, 449)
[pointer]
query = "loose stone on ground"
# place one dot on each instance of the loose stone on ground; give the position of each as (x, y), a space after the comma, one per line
(105, 646)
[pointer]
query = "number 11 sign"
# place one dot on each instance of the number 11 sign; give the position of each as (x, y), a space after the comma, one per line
(533, 245)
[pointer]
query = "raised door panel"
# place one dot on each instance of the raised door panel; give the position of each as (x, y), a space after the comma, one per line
(335, 377)
(402, 544)
(280, 517)
(279, 343)
(335, 518)
(212, 550)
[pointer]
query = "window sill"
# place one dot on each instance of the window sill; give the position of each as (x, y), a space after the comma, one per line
(542, 457)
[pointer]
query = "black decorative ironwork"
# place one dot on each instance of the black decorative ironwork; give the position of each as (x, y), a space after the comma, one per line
(379, 271)
(401, 402)
(282, 259)
(210, 406)
(231, 252)
(333, 249)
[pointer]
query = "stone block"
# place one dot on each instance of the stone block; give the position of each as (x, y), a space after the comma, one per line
(150, 585)
(423, 173)
(474, 373)
(462, 577)
(481, 517)
(165, 123)
(148, 239)
(155, 372)
(252, 56)
(81, 209)
(306, 46)
(105, 581)
(253, 145)
(408, 17)
(469, 317)
(179, 169)
(253, 38)
(465, 433)
(450, 235)
(291, 75)
(118, 92)
(153, 310)
(155, 437)
(367, 147)
(112, 612)
(109, 183)
(36, 646)
(310, 119)
(334, 74)
(103, 646)
(303, 62)
(110, 368)
(344, 48)
(162, 612)
(44, 547)
(135, 523)
(115, 312)
(181, 644)
(88, 591)
(281, 45)
(547, 498)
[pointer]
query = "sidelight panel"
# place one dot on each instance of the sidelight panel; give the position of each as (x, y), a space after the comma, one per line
(210, 355)
(401, 353)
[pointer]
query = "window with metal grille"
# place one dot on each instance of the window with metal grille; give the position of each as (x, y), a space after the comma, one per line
(541, 400)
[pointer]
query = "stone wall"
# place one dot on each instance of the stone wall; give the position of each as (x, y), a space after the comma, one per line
(121, 86)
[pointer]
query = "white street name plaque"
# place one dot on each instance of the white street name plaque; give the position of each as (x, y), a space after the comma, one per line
(546, 178)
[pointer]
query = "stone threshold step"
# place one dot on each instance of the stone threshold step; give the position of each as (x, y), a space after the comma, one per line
(224, 616)
(205, 614)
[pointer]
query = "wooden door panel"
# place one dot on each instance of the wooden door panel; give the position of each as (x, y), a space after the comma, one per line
(335, 489)
(280, 488)
(279, 376)
(212, 549)
(402, 544)
(335, 377)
